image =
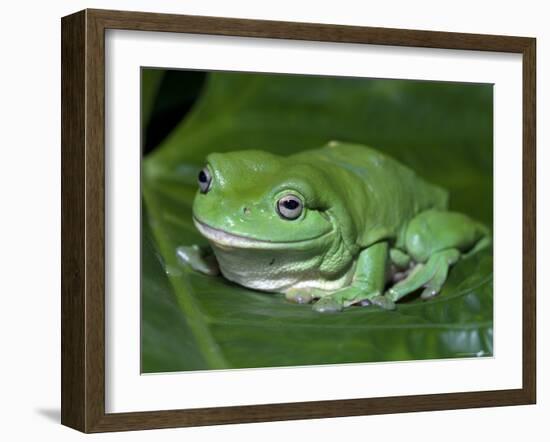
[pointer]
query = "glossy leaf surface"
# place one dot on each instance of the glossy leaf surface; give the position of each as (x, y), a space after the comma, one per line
(191, 321)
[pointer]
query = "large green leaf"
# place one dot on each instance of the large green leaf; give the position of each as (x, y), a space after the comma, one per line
(166, 338)
(442, 130)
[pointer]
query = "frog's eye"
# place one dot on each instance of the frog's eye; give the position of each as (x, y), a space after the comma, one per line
(205, 180)
(290, 207)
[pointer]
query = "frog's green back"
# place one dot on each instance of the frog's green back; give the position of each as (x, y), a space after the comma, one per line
(376, 195)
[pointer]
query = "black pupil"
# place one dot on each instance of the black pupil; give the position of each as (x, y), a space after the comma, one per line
(291, 204)
(202, 177)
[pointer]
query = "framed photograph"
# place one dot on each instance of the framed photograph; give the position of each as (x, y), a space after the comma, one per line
(270, 220)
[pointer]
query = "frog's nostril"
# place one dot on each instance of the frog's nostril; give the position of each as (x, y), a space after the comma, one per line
(246, 210)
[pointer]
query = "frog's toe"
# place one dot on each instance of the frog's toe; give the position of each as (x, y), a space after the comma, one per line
(198, 259)
(299, 296)
(328, 305)
(383, 302)
(435, 284)
(430, 292)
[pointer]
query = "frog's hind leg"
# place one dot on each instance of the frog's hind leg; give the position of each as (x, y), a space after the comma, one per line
(483, 243)
(436, 240)
(431, 275)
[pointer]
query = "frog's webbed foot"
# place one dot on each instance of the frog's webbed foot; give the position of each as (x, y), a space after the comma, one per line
(383, 302)
(328, 304)
(200, 259)
(337, 301)
(300, 296)
(431, 276)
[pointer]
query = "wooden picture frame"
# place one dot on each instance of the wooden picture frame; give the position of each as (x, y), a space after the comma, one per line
(83, 220)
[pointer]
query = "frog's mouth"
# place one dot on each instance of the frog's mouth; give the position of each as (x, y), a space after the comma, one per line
(226, 239)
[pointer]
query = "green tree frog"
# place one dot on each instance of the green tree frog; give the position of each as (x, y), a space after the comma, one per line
(336, 226)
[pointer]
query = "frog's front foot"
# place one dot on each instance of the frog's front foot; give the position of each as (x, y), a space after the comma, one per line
(328, 304)
(337, 301)
(200, 259)
(383, 302)
(299, 296)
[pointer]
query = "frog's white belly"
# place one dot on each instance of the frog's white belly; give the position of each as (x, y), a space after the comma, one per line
(275, 270)
(273, 267)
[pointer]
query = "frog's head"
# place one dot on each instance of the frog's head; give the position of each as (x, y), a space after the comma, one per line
(257, 200)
